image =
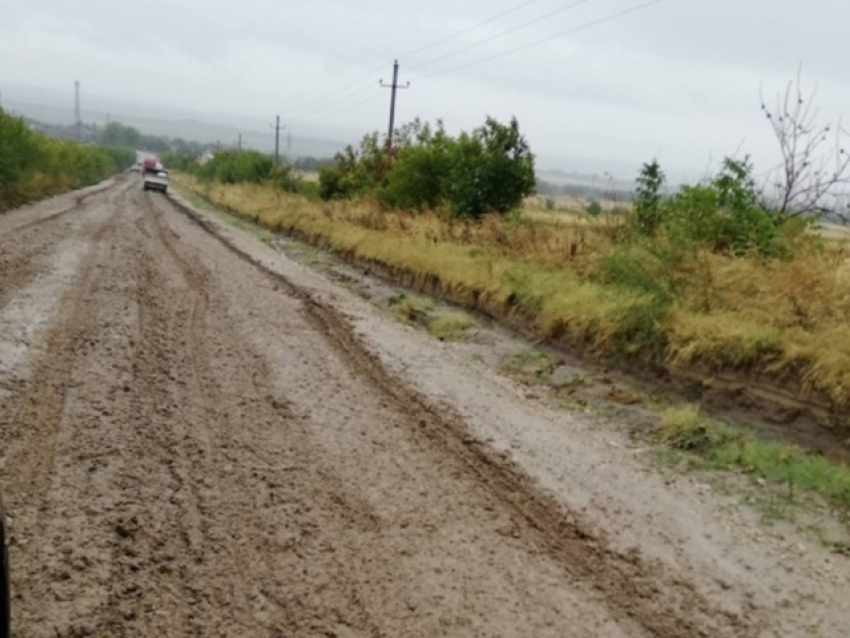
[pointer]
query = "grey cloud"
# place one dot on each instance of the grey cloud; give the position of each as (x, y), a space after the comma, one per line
(680, 78)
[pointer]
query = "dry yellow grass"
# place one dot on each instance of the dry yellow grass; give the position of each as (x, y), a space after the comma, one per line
(788, 319)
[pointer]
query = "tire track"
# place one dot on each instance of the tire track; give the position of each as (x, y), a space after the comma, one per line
(79, 201)
(24, 249)
(36, 432)
(635, 590)
(39, 409)
(236, 446)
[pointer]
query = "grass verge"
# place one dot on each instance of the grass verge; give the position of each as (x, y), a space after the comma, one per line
(450, 326)
(722, 447)
(783, 322)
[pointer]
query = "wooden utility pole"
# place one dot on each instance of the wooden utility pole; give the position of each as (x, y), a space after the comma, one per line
(395, 86)
(277, 141)
(78, 119)
(239, 143)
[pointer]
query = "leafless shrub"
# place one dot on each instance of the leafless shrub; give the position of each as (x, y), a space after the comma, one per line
(813, 178)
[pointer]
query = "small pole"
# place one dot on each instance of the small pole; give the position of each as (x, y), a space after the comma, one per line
(78, 120)
(277, 141)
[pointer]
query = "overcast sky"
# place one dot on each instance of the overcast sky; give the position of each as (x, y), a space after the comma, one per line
(678, 80)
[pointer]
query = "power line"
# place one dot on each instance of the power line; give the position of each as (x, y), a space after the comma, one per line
(309, 105)
(529, 45)
(331, 97)
(457, 34)
(328, 103)
(323, 117)
(501, 34)
(333, 102)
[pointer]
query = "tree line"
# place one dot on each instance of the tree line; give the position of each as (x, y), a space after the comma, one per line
(34, 165)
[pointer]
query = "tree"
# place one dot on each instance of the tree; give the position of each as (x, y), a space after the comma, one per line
(814, 174)
(117, 134)
(490, 170)
(354, 172)
(420, 167)
(648, 213)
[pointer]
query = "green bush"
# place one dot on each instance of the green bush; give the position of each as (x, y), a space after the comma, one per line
(490, 170)
(355, 172)
(331, 184)
(723, 214)
(33, 165)
(181, 161)
(420, 169)
(594, 208)
(647, 213)
(234, 167)
(308, 189)
(281, 177)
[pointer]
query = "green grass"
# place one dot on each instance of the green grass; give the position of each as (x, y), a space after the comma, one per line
(530, 366)
(411, 308)
(654, 300)
(445, 325)
(450, 326)
(529, 358)
(723, 447)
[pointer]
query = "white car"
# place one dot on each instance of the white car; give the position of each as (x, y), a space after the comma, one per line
(155, 179)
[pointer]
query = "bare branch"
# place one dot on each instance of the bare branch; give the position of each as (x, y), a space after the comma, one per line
(813, 177)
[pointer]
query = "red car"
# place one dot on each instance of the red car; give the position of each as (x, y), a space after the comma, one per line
(149, 164)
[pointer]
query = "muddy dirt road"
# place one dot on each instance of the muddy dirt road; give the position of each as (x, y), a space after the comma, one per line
(195, 442)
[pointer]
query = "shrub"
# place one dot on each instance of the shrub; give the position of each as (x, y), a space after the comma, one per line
(723, 214)
(490, 170)
(594, 208)
(33, 165)
(181, 161)
(355, 172)
(648, 214)
(234, 167)
(420, 169)
(331, 183)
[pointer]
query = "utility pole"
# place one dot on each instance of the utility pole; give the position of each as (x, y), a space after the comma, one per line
(277, 140)
(395, 86)
(239, 143)
(78, 120)
(289, 143)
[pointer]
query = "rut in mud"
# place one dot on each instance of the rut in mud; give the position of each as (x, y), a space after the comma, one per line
(193, 445)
